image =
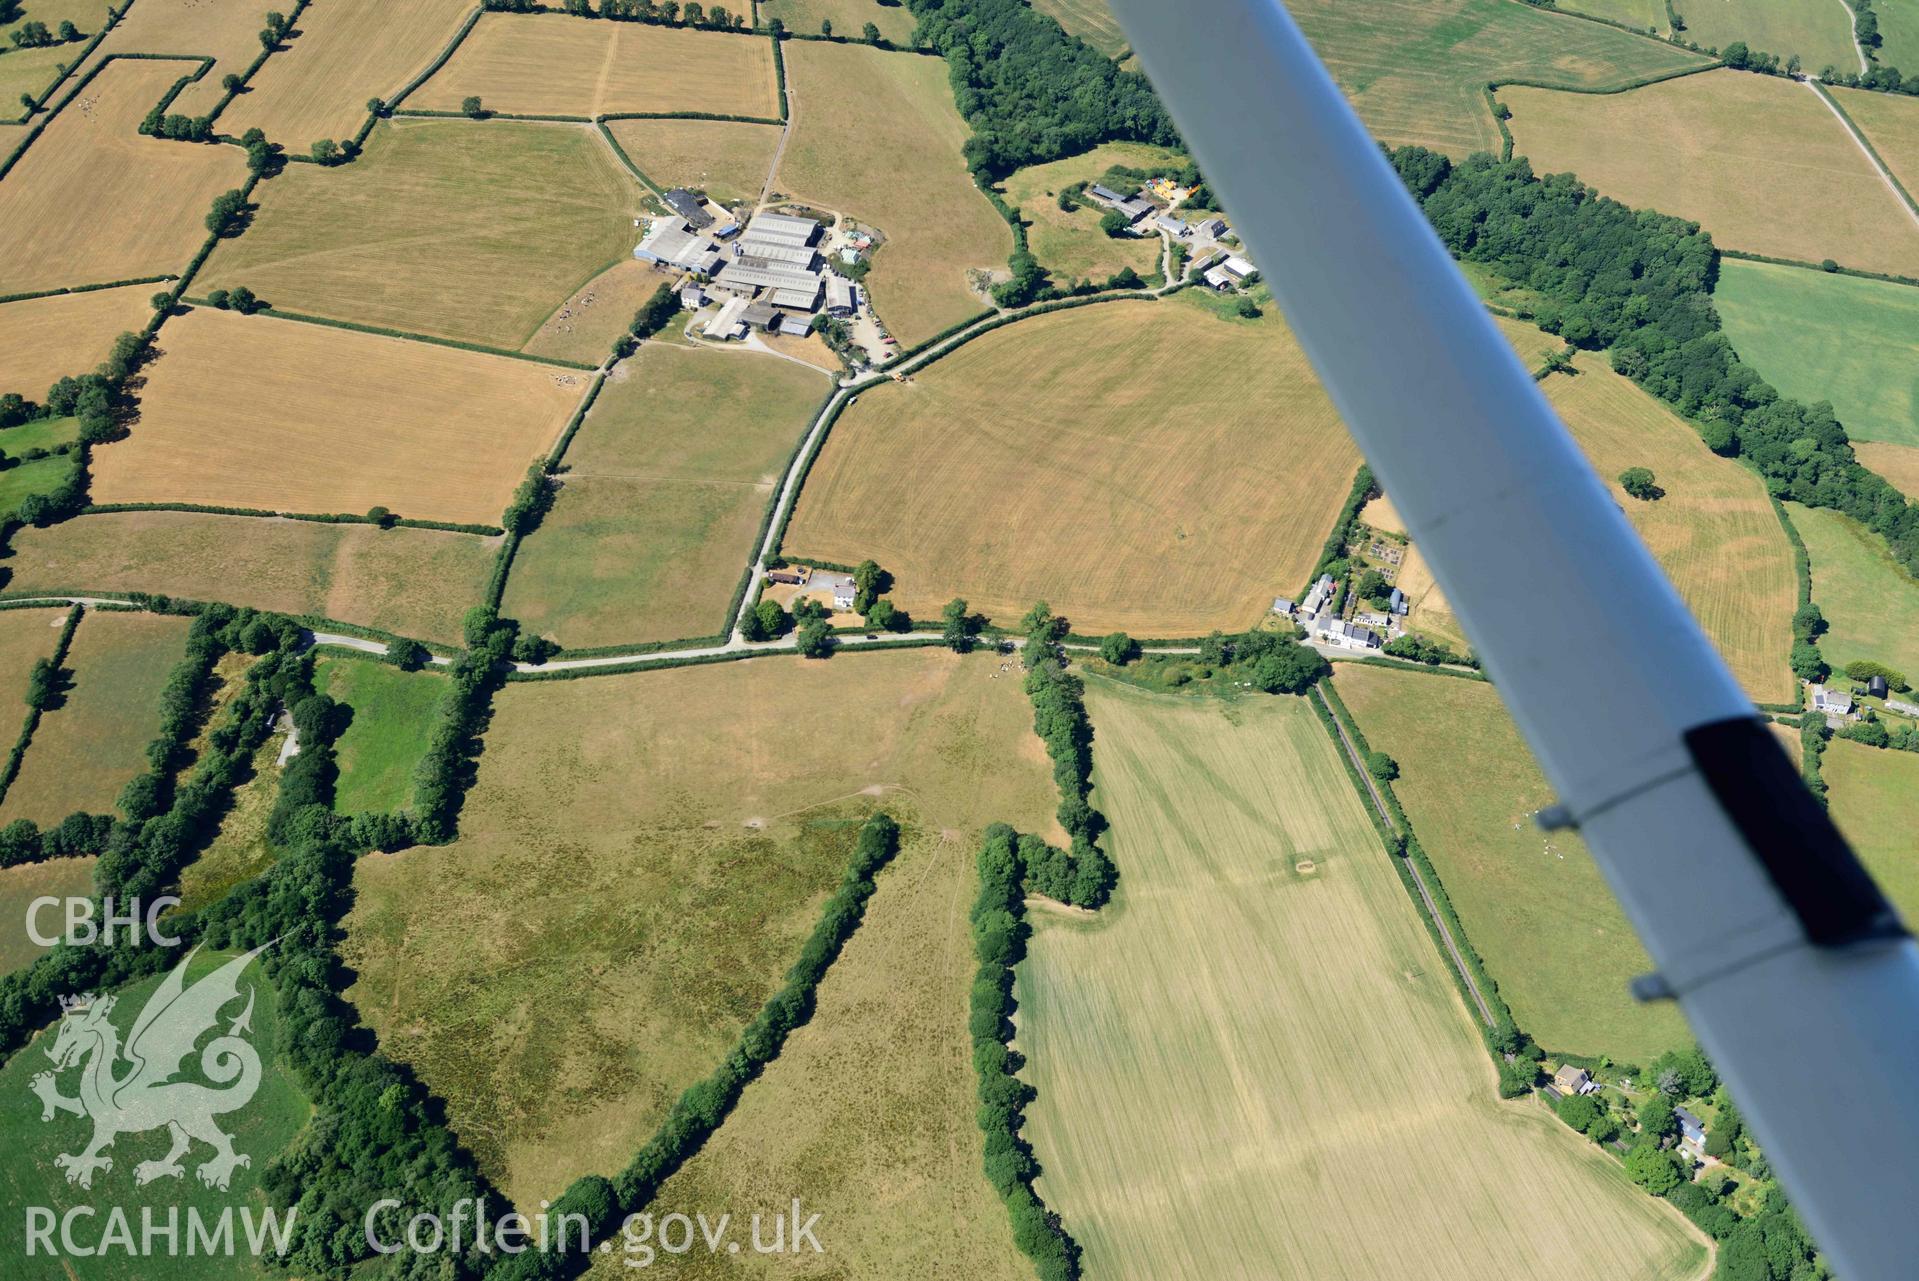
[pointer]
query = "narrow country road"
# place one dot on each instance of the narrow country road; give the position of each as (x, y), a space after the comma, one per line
(1852, 20)
(1425, 894)
(1871, 158)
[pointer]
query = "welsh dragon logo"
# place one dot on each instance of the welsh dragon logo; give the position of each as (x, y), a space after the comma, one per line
(132, 1088)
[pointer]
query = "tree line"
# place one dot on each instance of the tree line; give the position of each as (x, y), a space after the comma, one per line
(1640, 284)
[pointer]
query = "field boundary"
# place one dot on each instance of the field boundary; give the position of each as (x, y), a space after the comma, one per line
(45, 96)
(1838, 269)
(1500, 111)
(322, 518)
(85, 289)
(271, 312)
(1865, 145)
(11, 769)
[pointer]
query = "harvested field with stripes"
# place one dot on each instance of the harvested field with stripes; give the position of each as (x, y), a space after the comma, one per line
(1125, 483)
(548, 64)
(43, 340)
(724, 158)
(225, 30)
(146, 200)
(1254, 997)
(275, 415)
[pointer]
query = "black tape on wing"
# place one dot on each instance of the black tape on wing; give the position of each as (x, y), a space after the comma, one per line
(1790, 834)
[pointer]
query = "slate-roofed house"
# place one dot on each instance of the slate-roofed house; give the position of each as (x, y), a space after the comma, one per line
(1692, 1131)
(690, 207)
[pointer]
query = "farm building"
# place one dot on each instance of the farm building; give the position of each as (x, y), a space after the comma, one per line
(759, 315)
(690, 207)
(793, 326)
(1210, 229)
(672, 244)
(1239, 269)
(692, 298)
(743, 278)
(730, 322)
(1282, 606)
(1131, 208)
(842, 295)
(1329, 630)
(1220, 280)
(778, 224)
(789, 575)
(1170, 225)
(1397, 601)
(1834, 704)
(1316, 598)
(1877, 687)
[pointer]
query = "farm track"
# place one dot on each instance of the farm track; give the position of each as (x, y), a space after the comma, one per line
(1419, 880)
(1865, 148)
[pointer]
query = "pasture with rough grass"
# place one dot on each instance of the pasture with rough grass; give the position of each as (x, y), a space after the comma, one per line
(1071, 245)
(417, 582)
(1874, 796)
(1090, 20)
(1125, 482)
(1416, 70)
(392, 717)
(146, 200)
(662, 493)
(636, 866)
(1870, 602)
(724, 158)
(1819, 31)
(239, 851)
(1714, 531)
(86, 750)
(474, 232)
(19, 887)
(1820, 336)
(1701, 145)
(1258, 1021)
(548, 64)
(1534, 905)
(260, 1130)
(848, 17)
(1897, 463)
(877, 138)
(226, 32)
(279, 416)
(26, 636)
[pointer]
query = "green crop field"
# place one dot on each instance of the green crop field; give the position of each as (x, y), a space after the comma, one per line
(1071, 245)
(1819, 336)
(649, 850)
(1871, 604)
(1534, 905)
(460, 230)
(20, 886)
(417, 582)
(260, 1130)
(1874, 795)
(393, 716)
(1820, 33)
(84, 751)
(663, 491)
(1416, 70)
(1254, 997)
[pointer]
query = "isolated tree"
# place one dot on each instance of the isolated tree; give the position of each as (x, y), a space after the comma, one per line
(326, 152)
(869, 580)
(694, 13)
(826, 27)
(959, 627)
(162, 301)
(69, 33)
(218, 300)
(231, 82)
(529, 648)
(871, 33)
(32, 35)
(1640, 483)
(43, 685)
(375, 107)
(1118, 649)
(778, 29)
(27, 105)
(1807, 664)
(1246, 308)
(407, 655)
(1382, 767)
(1114, 223)
(382, 517)
(771, 618)
(1038, 620)
(242, 300)
(472, 106)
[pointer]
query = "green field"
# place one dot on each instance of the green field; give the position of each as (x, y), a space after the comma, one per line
(1638, 14)
(460, 230)
(41, 476)
(19, 886)
(648, 851)
(1817, 335)
(661, 494)
(393, 716)
(1898, 33)
(1256, 1051)
(1534, 905)
(1874, 794)
(240, 850)
(84, 751)
(1071, 245)
(29, 1177)
(1870, 603)
(1819, 31)
(896, 21)
(1416, 70)
(38, 433)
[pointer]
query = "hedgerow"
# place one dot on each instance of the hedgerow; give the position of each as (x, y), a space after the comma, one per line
(42, 691)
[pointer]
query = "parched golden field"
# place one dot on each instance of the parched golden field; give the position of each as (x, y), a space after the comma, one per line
(1714, 533)
(33, 70)
(875, 136)
(475, 232)
(87, 749)
(19, 887)
(849, 17)
(664, 488)
(1071, 244)
(648, 851)
(1528, 341)
(1534, 905)
(1698, 147)
(1819, 34)
(1090, 20)
(724, 158)
(1088, 458)
(869, 1107)
(548, 64)
(1428, 610)
(416, 582)
(225, 30)
(29, 71)
(1897, 463)
(26, 636)
(145, 199)
(347, 52)
(43, 340)
(1890, 122)
(585, 325)
(1416, 70)
(1259, 1053)
(247, 411)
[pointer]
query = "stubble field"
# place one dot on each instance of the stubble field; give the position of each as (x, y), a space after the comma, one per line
(45, 339)
(724, 158)
(247, 411)
(1235, 1035)
(1698, 147)
(895, 21)
(1127, 483)
(648, 851)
